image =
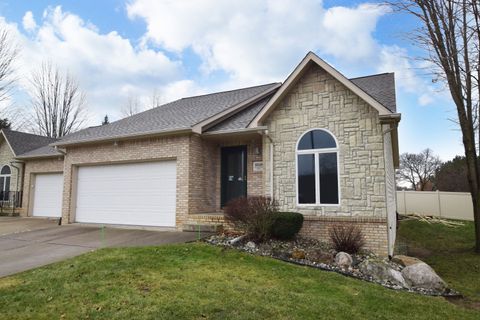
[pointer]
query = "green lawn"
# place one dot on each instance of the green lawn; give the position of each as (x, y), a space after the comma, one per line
(449, 250)
(197, 281)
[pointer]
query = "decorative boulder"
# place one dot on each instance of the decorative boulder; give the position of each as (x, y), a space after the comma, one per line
(421, 275)
(343, 259)
(250, 245)
(405, 261)
(381, 271)
(298, 254)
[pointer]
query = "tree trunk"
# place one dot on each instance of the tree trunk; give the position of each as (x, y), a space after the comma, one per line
(476, 218)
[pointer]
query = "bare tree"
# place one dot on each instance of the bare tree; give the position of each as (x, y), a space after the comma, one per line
(155, 99)
(132, 106)
(419, 169)
(57, 101)
(450, 32)
(8, 53)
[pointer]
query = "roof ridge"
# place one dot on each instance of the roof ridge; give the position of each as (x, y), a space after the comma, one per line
(226, 91)
(371, 75)
(28, 133)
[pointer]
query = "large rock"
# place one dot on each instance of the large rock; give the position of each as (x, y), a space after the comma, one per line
(405, 261)
(379, 270)
(423, 276)
(343, 259)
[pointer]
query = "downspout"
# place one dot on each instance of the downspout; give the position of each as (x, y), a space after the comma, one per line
(388, 131)
(271, 163)
(12, 163)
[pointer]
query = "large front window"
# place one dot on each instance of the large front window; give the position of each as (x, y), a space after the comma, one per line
(317, 169)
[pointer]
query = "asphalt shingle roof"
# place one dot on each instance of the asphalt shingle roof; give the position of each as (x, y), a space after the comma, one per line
(242, 119)
(380, 87)
(184, 113)
(22, 142)
(176, 115)
(45, 151)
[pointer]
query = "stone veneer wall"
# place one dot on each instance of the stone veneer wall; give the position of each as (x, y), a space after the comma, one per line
(153, 149)
(320, 101)
(6, 157)
(32, 167)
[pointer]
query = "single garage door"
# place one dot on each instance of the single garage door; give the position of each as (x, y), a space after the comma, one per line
(47, 196)
(142, 194)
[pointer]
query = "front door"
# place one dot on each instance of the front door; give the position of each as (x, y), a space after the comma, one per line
(234, 173)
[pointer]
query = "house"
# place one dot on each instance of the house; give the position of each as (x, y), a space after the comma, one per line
(12, 144)
(319, 143)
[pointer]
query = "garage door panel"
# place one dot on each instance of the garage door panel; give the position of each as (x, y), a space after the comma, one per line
(47, 199)
(133, 194)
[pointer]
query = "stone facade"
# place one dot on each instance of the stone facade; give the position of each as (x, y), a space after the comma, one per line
(320, 101)
(33, 167)
(6, 158)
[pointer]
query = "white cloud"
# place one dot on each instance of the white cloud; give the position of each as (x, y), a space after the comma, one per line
(28, 21)
(109, 67)
(258, 41)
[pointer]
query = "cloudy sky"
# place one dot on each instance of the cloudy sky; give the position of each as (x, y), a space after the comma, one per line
(172, 48)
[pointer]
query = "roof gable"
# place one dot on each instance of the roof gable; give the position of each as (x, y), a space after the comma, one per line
(299, 72)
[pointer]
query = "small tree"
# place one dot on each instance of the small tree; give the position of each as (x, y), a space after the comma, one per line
(452, 176)
(105, 120)
(5, 124)
(131, 107)
(418, 169)
(57, 101)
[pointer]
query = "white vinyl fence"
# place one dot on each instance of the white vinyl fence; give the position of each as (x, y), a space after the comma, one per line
(451, 205)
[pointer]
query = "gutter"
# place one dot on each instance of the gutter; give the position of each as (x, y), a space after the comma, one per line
(259, 129)
(122, 137)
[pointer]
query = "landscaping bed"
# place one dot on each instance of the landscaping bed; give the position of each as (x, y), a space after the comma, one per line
(317, 254)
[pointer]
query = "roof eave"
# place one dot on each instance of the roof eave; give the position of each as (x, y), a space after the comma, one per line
(123, 137)
(259, 129)
(40, 156)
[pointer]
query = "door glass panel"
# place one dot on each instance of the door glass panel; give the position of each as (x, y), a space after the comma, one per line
(327, 163)
(306, 178)
(234, 184)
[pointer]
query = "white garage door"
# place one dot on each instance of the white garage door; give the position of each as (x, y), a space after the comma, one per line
(47, 198)
(141, 194)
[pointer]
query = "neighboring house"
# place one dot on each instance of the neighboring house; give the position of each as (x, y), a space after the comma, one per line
(12, 144)
(319, 143)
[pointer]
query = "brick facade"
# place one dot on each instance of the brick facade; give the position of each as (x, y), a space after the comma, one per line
(373, 229)
(154, 149)
(33, 167)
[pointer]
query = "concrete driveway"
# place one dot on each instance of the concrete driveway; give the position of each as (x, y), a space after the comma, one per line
(27, 243)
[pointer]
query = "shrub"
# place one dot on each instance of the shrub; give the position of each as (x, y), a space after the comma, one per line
(286, 225)
(347, 238)
(254, 215)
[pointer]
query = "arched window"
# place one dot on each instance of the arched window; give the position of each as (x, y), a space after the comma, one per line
(317, 169)
(5, 170)
(5, 183)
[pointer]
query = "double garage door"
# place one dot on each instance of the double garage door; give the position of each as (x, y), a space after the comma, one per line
(142, 194)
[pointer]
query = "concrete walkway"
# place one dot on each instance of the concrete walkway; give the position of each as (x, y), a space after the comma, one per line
(27, 243)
